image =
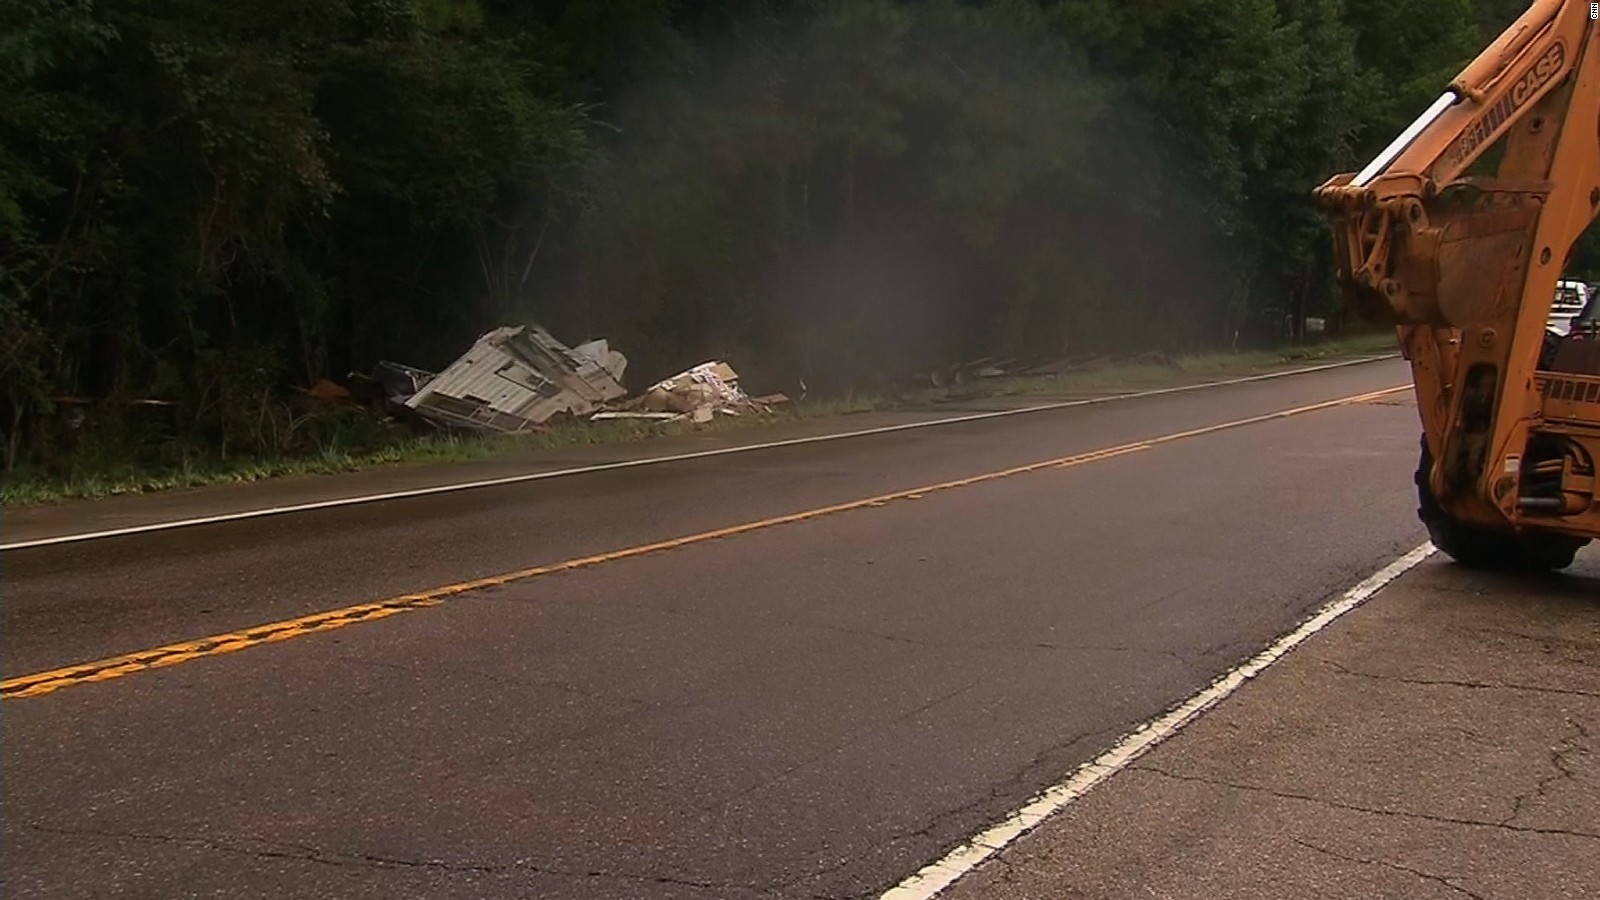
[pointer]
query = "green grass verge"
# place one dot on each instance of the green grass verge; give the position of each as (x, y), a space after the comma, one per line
(1117, 377)
(100, 478)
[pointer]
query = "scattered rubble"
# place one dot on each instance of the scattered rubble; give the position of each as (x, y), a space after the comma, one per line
(515, 379)
(698, 394)
(967, 372)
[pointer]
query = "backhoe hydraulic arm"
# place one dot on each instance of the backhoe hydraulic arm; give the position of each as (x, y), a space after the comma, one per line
(1458, 232)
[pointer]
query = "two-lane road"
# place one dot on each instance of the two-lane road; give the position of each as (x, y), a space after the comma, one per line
(814, 706)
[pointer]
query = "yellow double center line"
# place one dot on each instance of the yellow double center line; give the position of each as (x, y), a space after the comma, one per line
(172, 654)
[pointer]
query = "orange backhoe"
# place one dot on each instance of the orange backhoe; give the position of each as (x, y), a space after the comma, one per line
(1457, 234)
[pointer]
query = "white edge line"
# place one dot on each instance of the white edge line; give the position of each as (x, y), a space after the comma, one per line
(650, 460)
(929, 881)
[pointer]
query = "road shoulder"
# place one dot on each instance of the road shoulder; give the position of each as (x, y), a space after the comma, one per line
(24, 525)
(46, 521)
(1437, 742)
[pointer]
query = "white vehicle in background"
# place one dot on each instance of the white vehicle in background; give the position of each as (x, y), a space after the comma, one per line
(1574, 305)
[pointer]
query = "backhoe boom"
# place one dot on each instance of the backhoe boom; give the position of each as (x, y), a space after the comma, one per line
(1457, 233)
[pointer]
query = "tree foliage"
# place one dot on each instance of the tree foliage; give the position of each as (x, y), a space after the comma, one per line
(208, 203)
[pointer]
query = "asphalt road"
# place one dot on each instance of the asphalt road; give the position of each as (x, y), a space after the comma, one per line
(814, 709)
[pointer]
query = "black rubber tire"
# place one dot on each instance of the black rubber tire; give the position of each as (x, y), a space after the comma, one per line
(1486, 548)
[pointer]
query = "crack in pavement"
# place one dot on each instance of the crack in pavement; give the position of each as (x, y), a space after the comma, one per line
(1001, 869)
(1561, 770)
(1472, 735)
(1180, 658)
(307, 853)
(1231, 653)
(1461, 683)
(1459, 589)
(1135, 611)
(1335, 804)
(1007, 790)
(1578, 652)
(847, 740)
(1002, 792)
(1439, 879)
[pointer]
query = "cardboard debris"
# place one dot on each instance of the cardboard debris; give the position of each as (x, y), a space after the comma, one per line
(708, 385)
(698, 395)
(700, 392)
(512, 380)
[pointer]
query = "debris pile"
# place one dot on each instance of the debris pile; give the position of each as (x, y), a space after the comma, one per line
(514, 379)
(511, 380)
